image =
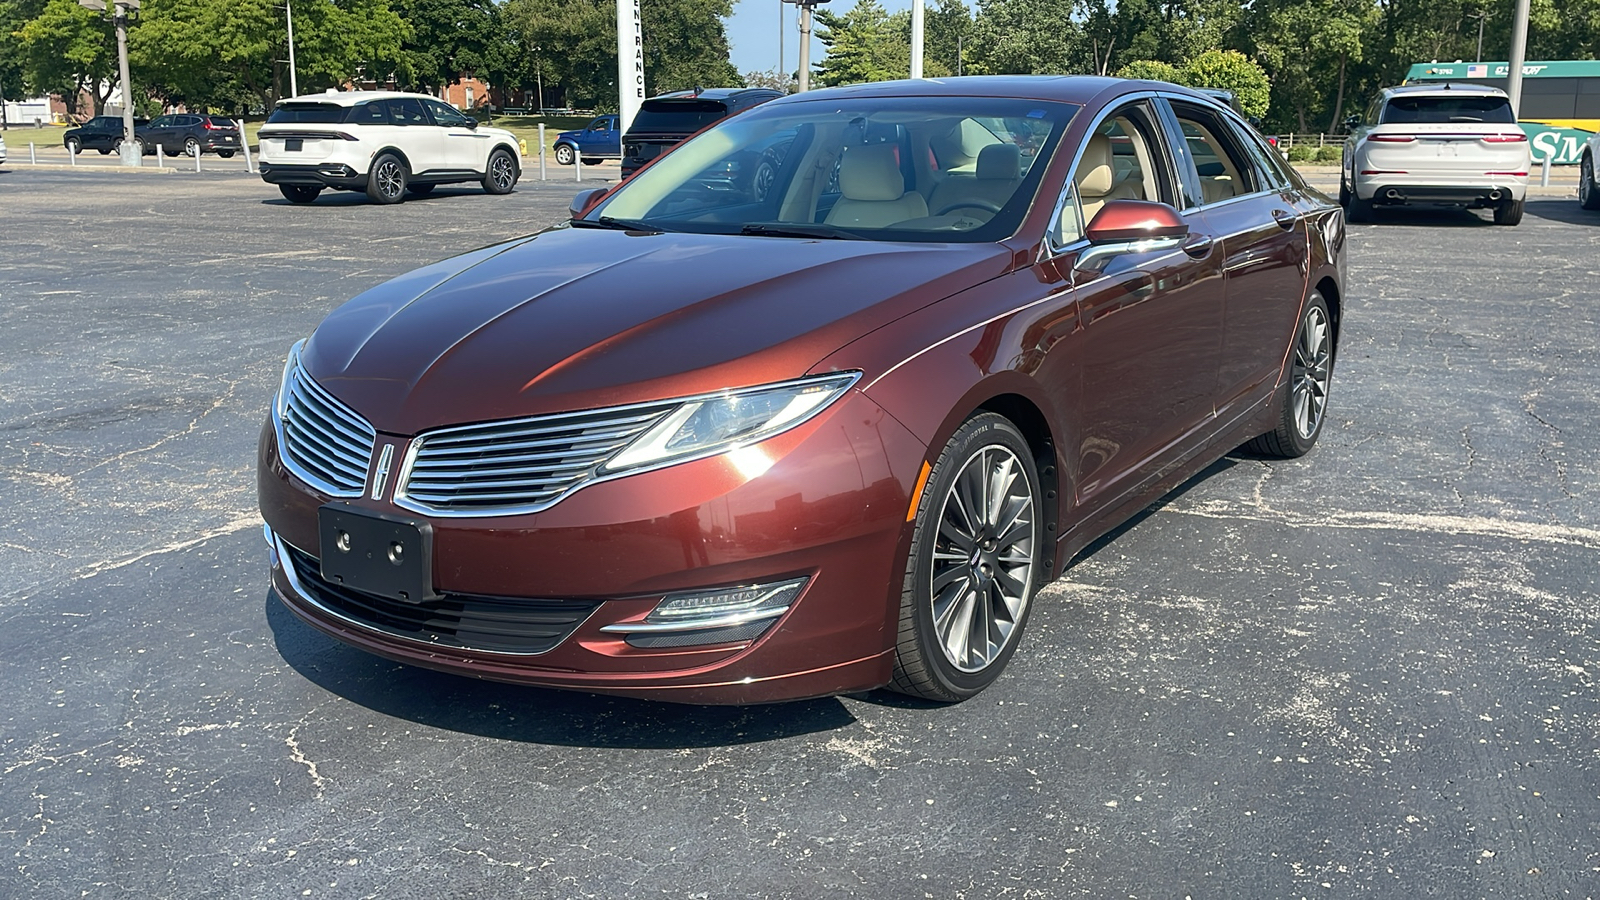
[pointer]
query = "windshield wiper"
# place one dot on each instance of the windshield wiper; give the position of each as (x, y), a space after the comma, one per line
(799, 230)
(617, 224)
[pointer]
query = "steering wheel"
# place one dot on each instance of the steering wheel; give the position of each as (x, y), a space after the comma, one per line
(984, 205)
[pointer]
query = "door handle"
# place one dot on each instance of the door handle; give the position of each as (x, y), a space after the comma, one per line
(1199, 246)
(1285, 220)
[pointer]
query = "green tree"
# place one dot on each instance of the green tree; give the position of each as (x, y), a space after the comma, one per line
(67, 49)
(863, 44)
(450, 39)
(1023, 37)
(1231, 70)
(1151, 70)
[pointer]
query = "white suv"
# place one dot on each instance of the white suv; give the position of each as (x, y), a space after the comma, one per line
(385, 143)
(1455, 144)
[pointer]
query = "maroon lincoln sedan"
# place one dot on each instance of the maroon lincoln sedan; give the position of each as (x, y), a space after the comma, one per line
(717, 445)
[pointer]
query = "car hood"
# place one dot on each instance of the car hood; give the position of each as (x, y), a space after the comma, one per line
(579, 318)
(569, 135)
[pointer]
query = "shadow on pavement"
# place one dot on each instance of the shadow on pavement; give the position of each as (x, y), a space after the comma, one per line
(533, 715)
(1566, 211)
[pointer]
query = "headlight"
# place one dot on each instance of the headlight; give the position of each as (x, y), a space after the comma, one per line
(706, 426)
(283, 382)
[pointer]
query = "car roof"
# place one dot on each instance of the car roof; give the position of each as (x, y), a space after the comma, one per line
(1444, 90)
(717, 93)
(351, 98)
(1063, 88)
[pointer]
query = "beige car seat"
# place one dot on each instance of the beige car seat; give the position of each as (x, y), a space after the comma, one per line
(872, 191)
(1097, 179)
(998, 171)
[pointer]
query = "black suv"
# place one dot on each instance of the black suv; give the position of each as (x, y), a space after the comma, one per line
(665, 121)
(103, 133)
(190, 134)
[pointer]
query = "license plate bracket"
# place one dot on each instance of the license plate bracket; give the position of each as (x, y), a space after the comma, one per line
(294, 145)
(390, 556)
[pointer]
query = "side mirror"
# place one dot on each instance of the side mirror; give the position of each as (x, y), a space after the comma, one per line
(584, 200)
(472, 123)
(1130, 226)
(1352, 122)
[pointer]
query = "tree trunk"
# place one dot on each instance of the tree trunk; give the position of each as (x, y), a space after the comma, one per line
(1300, 113)
(1338, 100)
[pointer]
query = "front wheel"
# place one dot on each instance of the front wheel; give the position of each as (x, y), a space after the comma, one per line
(1304, 401)
(191, 147)
(74, 146)
(225, 154)
(1588, 191)
(299, 193)
(1509, 212)
(501, 175)
(386, 182)
(974, 563)
(564, 155)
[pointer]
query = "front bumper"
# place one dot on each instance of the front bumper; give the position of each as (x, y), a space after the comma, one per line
(826, 501)
(326, 174)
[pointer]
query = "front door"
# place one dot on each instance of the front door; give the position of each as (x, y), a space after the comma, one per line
(465, 150)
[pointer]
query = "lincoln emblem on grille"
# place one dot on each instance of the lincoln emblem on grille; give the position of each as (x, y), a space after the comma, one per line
(381, 474)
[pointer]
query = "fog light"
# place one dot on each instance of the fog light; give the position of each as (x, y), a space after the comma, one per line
(699, 608)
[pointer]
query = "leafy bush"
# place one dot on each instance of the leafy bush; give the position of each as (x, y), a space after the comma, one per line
(1331, 153)
(1233, 71)
(1302, 154)
(1150, 70)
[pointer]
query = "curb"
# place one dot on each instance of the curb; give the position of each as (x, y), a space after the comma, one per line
(67, 167)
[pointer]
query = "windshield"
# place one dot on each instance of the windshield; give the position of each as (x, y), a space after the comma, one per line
(306, 114)
(1441, 110)
(922, 169)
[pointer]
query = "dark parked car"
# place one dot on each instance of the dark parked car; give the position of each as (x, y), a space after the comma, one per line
(663, 122)
(694, 445)
(190, 134)
(102, 133)
(598, 140)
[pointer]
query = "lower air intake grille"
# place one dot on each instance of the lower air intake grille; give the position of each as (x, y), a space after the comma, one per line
(463, 621)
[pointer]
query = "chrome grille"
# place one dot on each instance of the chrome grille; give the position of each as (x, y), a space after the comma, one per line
(324, 443)
(514, 467)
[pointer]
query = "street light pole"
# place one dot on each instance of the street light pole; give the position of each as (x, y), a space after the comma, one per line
(1519, 49)
(294, 86)
(918, 11)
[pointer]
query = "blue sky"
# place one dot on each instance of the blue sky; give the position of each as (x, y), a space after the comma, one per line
(753, 32)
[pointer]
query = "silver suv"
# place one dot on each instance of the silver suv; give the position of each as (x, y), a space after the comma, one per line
(1445, 144)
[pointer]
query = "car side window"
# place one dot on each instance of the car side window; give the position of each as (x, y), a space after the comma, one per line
(601, 124)
(1268, 164)
(1225, 170)
(1122, 159)
(374, 113)
(446, 115)
(407, 111)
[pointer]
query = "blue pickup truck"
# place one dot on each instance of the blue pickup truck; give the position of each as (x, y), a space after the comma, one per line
(600, 139)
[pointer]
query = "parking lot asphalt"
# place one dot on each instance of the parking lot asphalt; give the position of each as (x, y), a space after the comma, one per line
(1368, 672)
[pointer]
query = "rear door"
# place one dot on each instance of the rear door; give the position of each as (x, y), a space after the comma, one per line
(416, 135)
(1263, 237)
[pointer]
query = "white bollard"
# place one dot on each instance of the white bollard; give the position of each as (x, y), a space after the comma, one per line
(577, 167)
(244, 144)
(33, 160)
(161, 161)
(1544, 176)
(72, 157)
(541, 152)
(197, 156)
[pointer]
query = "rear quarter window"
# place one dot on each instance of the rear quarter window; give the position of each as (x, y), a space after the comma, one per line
(307, 114)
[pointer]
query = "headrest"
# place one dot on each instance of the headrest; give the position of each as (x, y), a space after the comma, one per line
(1095, 174)
(870, 172)
(1000, 162)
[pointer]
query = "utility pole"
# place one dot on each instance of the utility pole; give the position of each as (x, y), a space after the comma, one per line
(806, 6)
(1481, 15)
(918, 14)
(781, 28)
(1519, 49)
(130, 152)
(288, 10)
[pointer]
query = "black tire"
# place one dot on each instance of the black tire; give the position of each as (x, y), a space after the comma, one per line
(191, 147)
(73, 145)
(1310, 376)
(299, 193)
(1355, 208)
(419, 190)
(1588, 191)
(104, 151)
(970, 582)
(1344, 194)
(500, 176)
(592, 160)
(564, 155)
(386, 180)
(1509, 212)
(225, 154)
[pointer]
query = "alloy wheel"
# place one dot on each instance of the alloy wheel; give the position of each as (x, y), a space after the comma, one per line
(503, 172)
(191, 147)
(390, 180)
(1311, 372)
(983, 558)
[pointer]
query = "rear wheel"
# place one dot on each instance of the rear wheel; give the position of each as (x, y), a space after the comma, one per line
(299, 193)
(386, 182)
(191, 147)
(974, 563)
(592, 160)
(564, 155)
(1304, 402)
(1588, 191)
(1355, 208)
(501, 175)
(225, 154)
(1509, 212)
